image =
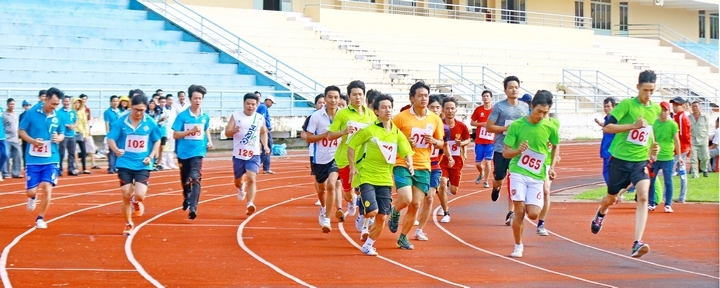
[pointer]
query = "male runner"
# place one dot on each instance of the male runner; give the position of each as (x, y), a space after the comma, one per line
(526, 143)
(452, 162)
(484, 147)
(248, 130)
(134, 139)
(504, 113)
(43, 131)
(382, 143)
(555, 123)
(319, 104)
(631, 122)
(191, 146)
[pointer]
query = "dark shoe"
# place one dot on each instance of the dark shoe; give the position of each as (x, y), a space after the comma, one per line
(495, 194)
(705, 174)
(596, 223)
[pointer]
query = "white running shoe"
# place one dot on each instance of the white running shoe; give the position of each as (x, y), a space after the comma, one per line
(352, 207)
(421, 236)
(517, 252)
(445, 219)
(31, 204)
(369, 250)
(364, 234)
(40, 224)
(542, 231)
(359, 222)
(320, 218)
(241, 192)
(325, 224)
(441, 212)
(250, 209)
(317, 203)
(417, 223)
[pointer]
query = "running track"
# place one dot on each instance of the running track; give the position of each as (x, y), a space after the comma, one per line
(282, 245)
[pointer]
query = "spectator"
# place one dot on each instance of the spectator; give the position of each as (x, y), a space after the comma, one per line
(10, 122)
(683, 122)
(714, 145)
(82, 131)
(69, 119)
(699, 132)
(263, 110)
(160, 92)
(84, 99)
(41, 96)
(109, 116)
(180, 105)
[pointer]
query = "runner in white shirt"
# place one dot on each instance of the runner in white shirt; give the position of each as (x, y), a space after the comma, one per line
(323, 150)
(248, 131)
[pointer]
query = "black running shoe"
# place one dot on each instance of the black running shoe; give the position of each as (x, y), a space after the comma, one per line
(509, 218)
(596, 223)
(495, 194)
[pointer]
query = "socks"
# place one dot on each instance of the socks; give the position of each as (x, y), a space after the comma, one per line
(322, 210)
(32, 197)
(519, 246)
(41, 218)
(418, 231)
(369, 242)
(447, 213)
(541, 222)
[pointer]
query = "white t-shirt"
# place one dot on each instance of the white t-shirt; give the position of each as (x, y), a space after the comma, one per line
(246, 143)
(323, 151)
(716, 138)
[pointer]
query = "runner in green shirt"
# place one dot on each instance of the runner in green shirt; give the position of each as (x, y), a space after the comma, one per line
(381, 143)
(555, 123)
(631, 122)
(666, 134)
(526, 144)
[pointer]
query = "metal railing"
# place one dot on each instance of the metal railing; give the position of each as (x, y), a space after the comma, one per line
(471, 80)
(687, 85)
(593, 82)
(452, 11)
(235, 46)
(659, 31)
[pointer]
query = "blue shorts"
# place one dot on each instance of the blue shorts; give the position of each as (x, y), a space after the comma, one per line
(240, 167)
(435, 178)
(36, 174)
(483, 152)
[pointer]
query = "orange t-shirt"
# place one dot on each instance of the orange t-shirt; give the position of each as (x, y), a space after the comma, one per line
(482, 136)
(415, 129)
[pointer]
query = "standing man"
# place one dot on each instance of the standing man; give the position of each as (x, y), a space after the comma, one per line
(631, 149)
(684, 133)
(608, 105)
(452, 162)
(192, 136)
(134, 140)
(483, 139)
(3, 149)
(10, 121)
(110, 115)
(69, 119)
(248, 131)
(181, 104)
(42, 130)
(263, 110)
(699, 130)
(503, 114)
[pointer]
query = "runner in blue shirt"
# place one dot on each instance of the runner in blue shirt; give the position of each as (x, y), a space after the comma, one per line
(192, 134)
(42, 130)
(134, 139)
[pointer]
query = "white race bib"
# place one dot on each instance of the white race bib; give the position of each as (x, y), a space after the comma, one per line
(42, 151)
(356, 126)
(418, 135)
(327, 144)
(639, 136)
(136, 143)
(507, 123)
(482, 133)
(244, 152)
(454, 148)
(531, 161)
(389, 151)
(194, 136)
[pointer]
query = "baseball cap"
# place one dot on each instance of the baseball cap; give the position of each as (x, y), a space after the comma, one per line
(526, 98)
(678, 100)
(271, 98)
(25, 103)
(665, 105)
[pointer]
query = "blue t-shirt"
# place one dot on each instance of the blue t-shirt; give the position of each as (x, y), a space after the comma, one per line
(110, 115)
(195, 144)
(38, 124)
(263, 110)
(137, 142)
(67, 118)
(607, 139)
(2, 129)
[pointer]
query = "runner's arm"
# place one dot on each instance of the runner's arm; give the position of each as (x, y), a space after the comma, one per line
(509, 153)
(207, 133)
(351, 157)
(490, 126)
(264, 137)
(230, 127)
(155, 149)
(613, 128)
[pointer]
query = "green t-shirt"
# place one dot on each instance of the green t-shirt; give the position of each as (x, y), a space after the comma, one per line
(376, 167)
(555, 123)
(344, 117)
(634, 145)
(665, 136)
(532, 162)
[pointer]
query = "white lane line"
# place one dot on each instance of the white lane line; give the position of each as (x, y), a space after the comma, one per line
(72, 269)
(347, 237)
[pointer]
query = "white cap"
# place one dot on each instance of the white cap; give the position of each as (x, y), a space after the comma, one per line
(271, 98)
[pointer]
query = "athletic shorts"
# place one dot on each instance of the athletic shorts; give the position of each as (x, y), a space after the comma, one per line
(311, 163)
(402, 177)
(163, 141)
(501, 165)
(344, 176)
(453, 174)
(240, 167)
(435, 178)
(526, 189)
(36, 174)
(323, 171)
(128, 176)
(622, 173)
(375, 198)
(483, 152)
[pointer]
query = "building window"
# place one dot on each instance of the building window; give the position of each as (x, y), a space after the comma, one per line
(579, 13)
(513, 11)
(623, 16)
(714, 26)
(477, 6)
(601, 14)
(701, 24)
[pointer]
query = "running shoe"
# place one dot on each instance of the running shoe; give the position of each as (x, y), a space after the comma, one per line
(394, 220)
(340, 215)
(128, 229)
(359, 222)
(139, 208)
(369, 250)
(640, 249)
(250, 209)
(478, 179)
(441, 212)
(31, 204)
(495, 194)
(352, 207)
(445, 219)
(668, 209)
(517, 252)
(596, 223)
(509, 218)
(324, 223)
(541, 230)
(40, 224)
(486, 185)
(404, 243)
(364, 234)
(241, 192)
(651, 207)
(420, 236)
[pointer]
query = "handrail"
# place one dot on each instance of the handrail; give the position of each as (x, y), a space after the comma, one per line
(485, 76)
(602, 82)
(659, 31)
(691, 84)
(234, 45)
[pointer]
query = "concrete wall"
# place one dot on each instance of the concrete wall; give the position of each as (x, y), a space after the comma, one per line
(682, 21)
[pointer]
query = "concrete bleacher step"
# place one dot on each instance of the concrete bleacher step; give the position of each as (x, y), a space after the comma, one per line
(101, 21)
(89, 32)
(117, 66)
(75, 12)
(68, 76)
(90, 54)
(122, 44)
(62, 5)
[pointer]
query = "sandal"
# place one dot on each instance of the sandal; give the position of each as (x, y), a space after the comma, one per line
(96, 167)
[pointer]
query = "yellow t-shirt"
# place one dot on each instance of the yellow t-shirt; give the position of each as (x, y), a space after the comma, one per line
(415, 128)
(344, 118)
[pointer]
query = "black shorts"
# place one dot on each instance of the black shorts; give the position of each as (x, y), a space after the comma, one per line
(128, 176)
(621, 173)
(376, 198)
(501, 165)
(322, 171)
(311, 163)
(163, 140)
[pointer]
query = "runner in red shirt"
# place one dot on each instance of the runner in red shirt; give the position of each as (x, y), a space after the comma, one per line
(483, 139)
(452, 161)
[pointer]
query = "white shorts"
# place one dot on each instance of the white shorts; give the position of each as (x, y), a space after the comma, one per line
(526, 189)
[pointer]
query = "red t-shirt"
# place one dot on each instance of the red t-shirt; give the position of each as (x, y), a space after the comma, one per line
(481, 115)
(459, 132)
(684, 131)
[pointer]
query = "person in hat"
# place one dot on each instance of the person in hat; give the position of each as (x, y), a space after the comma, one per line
(527, 98)
(263, 110)
(684, 132)
(666, 135)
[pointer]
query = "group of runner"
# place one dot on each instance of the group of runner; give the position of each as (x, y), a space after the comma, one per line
(360, 152)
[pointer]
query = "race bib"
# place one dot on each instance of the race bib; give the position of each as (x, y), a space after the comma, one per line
(454, 148)
(243, 152)
(482, 133)
(507, 123)
(639, 136)
(42, 151)
(356, 126)
(418, 135)
(136, 143)
(531, 161)
(389, 151)
(328, 143)
(196, 135)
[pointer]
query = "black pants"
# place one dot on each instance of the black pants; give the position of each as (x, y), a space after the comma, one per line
(82, 154)
(190, 176)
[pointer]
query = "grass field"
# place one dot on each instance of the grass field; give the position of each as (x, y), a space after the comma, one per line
(699, 190)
